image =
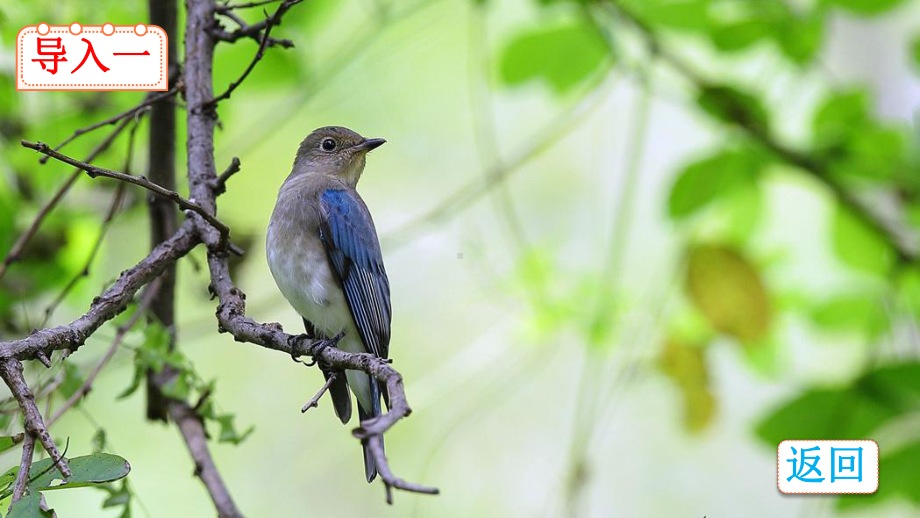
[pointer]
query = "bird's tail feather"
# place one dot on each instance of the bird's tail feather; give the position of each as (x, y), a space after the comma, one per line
(370, 465)
(341, 396)
(338, 390)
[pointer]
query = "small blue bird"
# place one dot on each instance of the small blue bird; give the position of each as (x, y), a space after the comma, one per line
(324, 254)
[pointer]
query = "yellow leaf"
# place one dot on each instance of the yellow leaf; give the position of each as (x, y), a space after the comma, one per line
(728, 290)
(686, 366)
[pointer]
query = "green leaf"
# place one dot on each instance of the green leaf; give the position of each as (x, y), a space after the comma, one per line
(177, 388)
(228, 431)
(562, 56)
(850, 412)
(800, 37)
(865, 7)
(734, 106)
(153, 355)
(89, 470)
(839, 116)
(73, 380)
(712, 177)
(29, 506)
(8, 478)
(687, 15)
(118, 497)
(6, 442)
(858, 245)
(728, 290)
(139, 375)
(99, 440)
(825, 414)
(686, 366)
(741, 34)
(856, 313)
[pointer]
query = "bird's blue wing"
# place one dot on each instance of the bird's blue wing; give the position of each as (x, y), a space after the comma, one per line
(348, 234)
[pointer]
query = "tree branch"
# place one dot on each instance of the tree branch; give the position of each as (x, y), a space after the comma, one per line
(193, 432)
(11, 372)
(94, 171)
(22, 477)
(106, 306)
(314, 401)
(220, 186)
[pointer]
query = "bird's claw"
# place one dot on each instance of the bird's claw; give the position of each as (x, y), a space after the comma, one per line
(314, 349)
(295, 343)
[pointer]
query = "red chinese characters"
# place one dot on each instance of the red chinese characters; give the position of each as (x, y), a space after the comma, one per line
(51, 50)
(90, 50)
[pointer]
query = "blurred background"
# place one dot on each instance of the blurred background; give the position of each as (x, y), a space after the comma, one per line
(632, 244)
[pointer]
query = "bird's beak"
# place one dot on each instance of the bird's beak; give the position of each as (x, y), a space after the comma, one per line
(371, 143)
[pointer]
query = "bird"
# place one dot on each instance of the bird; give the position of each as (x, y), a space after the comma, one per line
(325, 257)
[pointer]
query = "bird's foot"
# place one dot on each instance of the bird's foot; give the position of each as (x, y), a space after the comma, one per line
(314, 349)
(297, 347)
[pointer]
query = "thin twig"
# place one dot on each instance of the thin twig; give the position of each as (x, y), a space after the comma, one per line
(314, 401)
(229, 7)
(255, 30)
(22, 477)
(220, 186)
(270, 22)
(127, 114)
(117, 199)
(120, 334)
(16, 251)
(141, 181)
(11, 372)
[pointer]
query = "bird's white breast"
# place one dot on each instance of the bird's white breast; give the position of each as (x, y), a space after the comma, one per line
(302, 273)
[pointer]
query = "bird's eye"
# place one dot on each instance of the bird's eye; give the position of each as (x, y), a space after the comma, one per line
(328, 144)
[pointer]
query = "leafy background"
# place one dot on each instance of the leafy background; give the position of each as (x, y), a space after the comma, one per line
(613, 294)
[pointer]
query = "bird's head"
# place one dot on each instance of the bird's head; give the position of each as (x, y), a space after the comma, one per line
(335, 151)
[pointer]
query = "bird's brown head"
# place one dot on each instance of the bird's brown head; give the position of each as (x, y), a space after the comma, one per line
(335, 151)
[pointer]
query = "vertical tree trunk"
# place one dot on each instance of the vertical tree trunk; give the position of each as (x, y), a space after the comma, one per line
(162, 171)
